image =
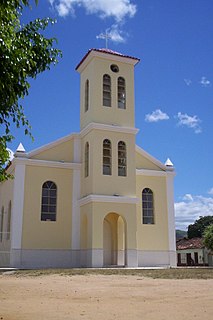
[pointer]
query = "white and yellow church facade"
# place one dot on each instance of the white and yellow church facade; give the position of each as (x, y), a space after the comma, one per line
(93, 198)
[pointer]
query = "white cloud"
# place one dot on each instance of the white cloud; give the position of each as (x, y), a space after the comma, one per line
(188, 197)
(192, 122)
(188, 82)
(113, 34)
(190, 208)
(156, 116)
(205, 82)
(116, 35)
(117, 9)
(210, 191)
(64, 8)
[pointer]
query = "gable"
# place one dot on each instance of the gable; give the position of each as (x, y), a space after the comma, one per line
(145, 161)
(59, 151)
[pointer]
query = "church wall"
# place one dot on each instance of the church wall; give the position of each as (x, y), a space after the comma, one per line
(97, 183)
(39, 234)
(6, 195)
(62, 152)
(92, 224)
(96, 212)
(143, 163)
(86, 117)
(86, 182)
(98, 217)
(97, 112)
(86, 226)
(153, 236)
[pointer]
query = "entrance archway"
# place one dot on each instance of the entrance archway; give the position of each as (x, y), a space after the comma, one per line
(114, 240)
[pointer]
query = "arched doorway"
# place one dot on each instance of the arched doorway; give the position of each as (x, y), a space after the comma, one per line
(114, 240)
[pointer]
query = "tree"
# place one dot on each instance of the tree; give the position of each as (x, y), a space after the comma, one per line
(197, 229)
(24, 53)
(208, 237)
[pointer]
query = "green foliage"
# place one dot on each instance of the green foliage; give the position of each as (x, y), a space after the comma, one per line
(208, 237)
(24, 53)
(4, 156)
(197, 229)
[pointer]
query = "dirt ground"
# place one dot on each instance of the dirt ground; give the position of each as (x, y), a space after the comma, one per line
(104, 297)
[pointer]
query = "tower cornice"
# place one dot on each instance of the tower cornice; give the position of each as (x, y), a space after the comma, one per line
(107, 127)
(104, 53)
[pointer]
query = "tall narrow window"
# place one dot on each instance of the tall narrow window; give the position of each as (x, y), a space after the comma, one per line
(86, 160)
(49, 198)
(148, 206)
(107, 157)
(86, 106)
(1, 223)
(9, 221)
(122, 167)
(106, 90)
(121, 93)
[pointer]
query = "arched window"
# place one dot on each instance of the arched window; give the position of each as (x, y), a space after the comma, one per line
(9, 220)
(107, 157)
(148, 206)
(1, 223)
(122, 165)
(106, 90)
(121, 93)
(49, 199)
(86, 106)
(86, 160)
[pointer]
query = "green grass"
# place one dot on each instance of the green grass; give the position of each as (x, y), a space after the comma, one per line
(182, 273)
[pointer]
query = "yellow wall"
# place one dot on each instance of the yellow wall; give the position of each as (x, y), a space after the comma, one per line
(84, 231)
(39, 234)
(61, 152)
(144, 163)
(6, 192)
(96, 212)
(6, 195)
(97, 183)
(153, 236)
(94, 72)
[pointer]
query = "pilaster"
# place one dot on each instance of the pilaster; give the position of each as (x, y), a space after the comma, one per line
(18, 206)
(76, 192)
(171, 218)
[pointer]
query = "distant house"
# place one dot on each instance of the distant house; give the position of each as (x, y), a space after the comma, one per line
(192, 252)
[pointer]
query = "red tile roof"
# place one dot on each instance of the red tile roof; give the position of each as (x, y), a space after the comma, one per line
(194, 243)
(108, 51)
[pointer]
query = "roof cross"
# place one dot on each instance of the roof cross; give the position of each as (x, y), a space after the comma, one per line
(105, 36)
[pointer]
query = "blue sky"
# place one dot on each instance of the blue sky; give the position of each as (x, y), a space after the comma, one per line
(173, 83)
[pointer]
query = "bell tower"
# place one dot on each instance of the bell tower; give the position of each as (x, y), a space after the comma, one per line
(107, 119)
(107, 88)
(108, 178)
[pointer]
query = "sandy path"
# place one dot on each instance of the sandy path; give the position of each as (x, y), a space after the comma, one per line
(104, 297)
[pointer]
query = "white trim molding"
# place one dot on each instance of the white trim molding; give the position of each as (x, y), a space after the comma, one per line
(104, 198)
(153, 173)
(107, 127)
(171, 217)
(76, 191)
(18, 206)
(47, 163)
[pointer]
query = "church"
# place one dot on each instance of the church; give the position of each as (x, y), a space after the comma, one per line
(93, 198)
